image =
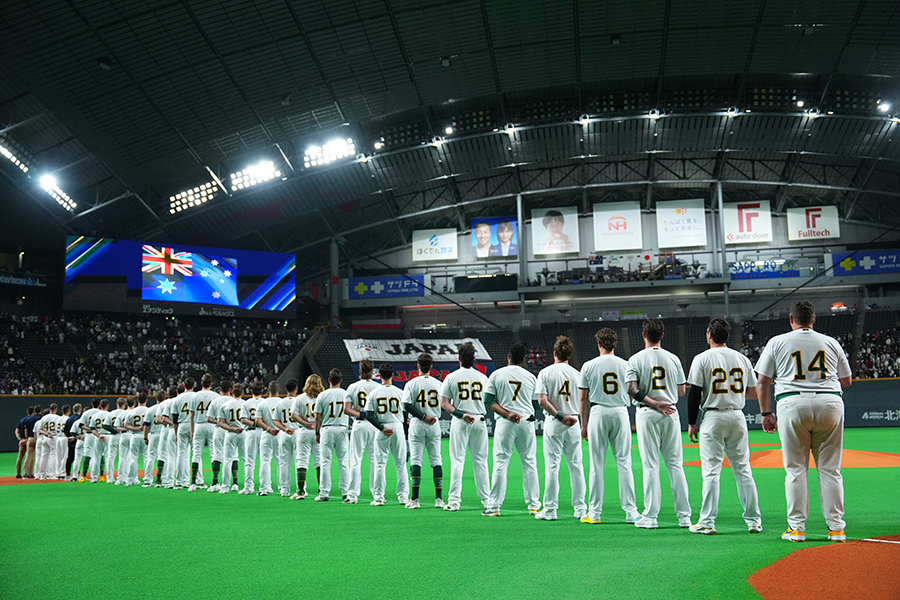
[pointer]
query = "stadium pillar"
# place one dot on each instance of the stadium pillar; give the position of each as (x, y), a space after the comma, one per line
(523, 256)
(720, 226)
(335, 279)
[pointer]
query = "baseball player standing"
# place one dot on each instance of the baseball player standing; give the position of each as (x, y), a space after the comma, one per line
(167, 415)
(384, 410)
(721, 379)
(557, 389)
(288, 427)
(84, 428)
(422, 400)
(462, 395)
(98, 441)
(655, 380)
(809, 369)
(605, 423)
(62, 442)
(268, 443)
(137, 447)
(303, 411)
(181, 408)
(231, 422)
(363, 434)
(331, 434)
(510, 393)
(216, 449)
(251, 437)
(152, 436)
(201, 429)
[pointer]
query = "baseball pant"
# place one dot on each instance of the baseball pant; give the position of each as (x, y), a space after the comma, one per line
(152, 455)
(136, 450)
(124, 456)
(561, 441)
(509, 435)
(422, 437)
(473, 438)
(283, 455)
(98, 451)
(362, 439)
(658, 433)
(333, 442)
(203, 435)
(813, 423)
(251, 451)
(62, 455)
(183, 459)
(268, 448)
(609, 428)
(724, 433)
(393, 445)
(23, 450)
(304, 446)
(29, 457)
(112, 451)
(232, 450)
(79, 457)
(168, 452)
(217, 449)
(42, 448)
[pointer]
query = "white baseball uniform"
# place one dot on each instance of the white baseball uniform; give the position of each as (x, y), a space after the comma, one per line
(305, 439)
(154, 436)
(252, 436)
(216, 449)
(465, 390)
(113, 440)
(333, 439)
(362, 437)
(658, 374)
(44, 447)
(138, 449)
(231, 410)
(807, 367)
(124, 448)
(285, 449)
(268, 444)
(608, 426)
(98, 446)
(386, 403)
(89, 439)
(425, 392)
(168, 450)
(203, 429)
(724, 376)
(514, 388)
(560, 383)
(181, 406)
(79, 447)
(62, 446)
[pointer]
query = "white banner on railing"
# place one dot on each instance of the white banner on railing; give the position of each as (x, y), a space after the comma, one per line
(406, 350)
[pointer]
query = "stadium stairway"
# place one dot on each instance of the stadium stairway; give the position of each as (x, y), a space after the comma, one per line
(304, 363)
(857, 335)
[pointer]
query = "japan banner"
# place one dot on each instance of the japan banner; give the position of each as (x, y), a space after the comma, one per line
(747, 222)
(813, 222)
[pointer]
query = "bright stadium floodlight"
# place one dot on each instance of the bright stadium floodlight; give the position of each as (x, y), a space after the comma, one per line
(49, 185)
(884, 106)
(328, 153)
(11, 154)
(192, 197)
(253, 175)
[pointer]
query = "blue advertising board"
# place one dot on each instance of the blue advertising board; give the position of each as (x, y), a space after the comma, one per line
(386, 286)
(763, 269)
(876, 262)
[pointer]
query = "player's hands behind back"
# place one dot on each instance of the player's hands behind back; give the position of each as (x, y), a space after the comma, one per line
(692, 433)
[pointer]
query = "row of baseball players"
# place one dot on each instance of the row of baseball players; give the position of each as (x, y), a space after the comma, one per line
(316, 424)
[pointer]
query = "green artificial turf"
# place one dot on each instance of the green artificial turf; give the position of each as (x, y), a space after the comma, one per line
(104, 541)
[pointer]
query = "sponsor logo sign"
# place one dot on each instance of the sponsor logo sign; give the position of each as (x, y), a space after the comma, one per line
(813, 222)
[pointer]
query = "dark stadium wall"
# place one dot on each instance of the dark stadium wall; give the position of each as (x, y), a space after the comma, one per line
(868, 403)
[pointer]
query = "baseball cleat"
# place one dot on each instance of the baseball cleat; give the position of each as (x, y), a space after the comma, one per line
(792, 535)
(223, 489)
(234, 487)
(439, 503)
(245, 492)
(147, 485)
(452, 507)
(376, 503)
(212, 488)
(202, 486)
(754, 528)
(703, 529)
(646, 523)
(491, 512)
(102, 478)
(532, 511)
(413, 504)
(321, 498)
(633, 518)
(548, 514)
(402, 499)
(169, 486)
(589, 520)
(580, 514)
(350, 500)
(837, 536)
(118, 482)
(285, 494)
(82, 480)
(684, 522)
(262, 493)
(192, 488)
(298, 496)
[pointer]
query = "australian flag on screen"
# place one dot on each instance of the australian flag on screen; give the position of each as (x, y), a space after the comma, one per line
(171, 276)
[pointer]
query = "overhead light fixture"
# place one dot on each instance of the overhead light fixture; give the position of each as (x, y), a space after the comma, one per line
(14, 153)
(585, 119)
(800, 103)
(362, 158)
(49, 185)
(884, 106)
(654, 114)
(328, 153)
(510, 128)
(251, 176)
(192, 197)
(732, 111)
(448, 130)
(812, 113)
(437, 141)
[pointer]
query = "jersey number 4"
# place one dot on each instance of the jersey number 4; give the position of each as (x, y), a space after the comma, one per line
(432, 398)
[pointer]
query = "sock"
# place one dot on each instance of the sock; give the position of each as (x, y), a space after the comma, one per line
(194, 467)
(234, 469)
(85, 463)
(415, 475)
(102, 465)
(438, 481)
(301, 480)
(217, 466)
(160, 465)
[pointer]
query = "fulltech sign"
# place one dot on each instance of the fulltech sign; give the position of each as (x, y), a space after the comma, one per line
(408, 350)
(813, 222)
(747, 222)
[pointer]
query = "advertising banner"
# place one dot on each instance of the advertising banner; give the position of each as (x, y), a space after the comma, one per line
(387, 286)
(494, 237)
(747, 222)
(617, 226)
(408, 350)
(813, 222)
(434, 244)
(554, 230)
(878, 262)
(681, 223)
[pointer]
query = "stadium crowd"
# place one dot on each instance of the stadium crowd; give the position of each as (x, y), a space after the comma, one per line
(878, 355)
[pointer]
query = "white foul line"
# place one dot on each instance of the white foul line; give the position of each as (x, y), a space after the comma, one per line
(882, 541)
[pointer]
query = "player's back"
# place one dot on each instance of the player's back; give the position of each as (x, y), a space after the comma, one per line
(425, 391)
(724, 375)
(266, 410)
(331, 404)
(251, 409)
(138, 414)
(359, 391)
(560, 382)
(231, 410)
(514, 388)
(605, 378)
(200, 405)
(804, 360)
(465, 389)
(283, 410)
(658, 373)
(387, 403)
(304, 406)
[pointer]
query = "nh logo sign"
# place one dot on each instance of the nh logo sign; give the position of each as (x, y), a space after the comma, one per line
(812, 215)
(618, 224)
(745, 216)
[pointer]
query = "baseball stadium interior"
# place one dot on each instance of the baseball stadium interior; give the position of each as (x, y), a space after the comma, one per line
(263, 192)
